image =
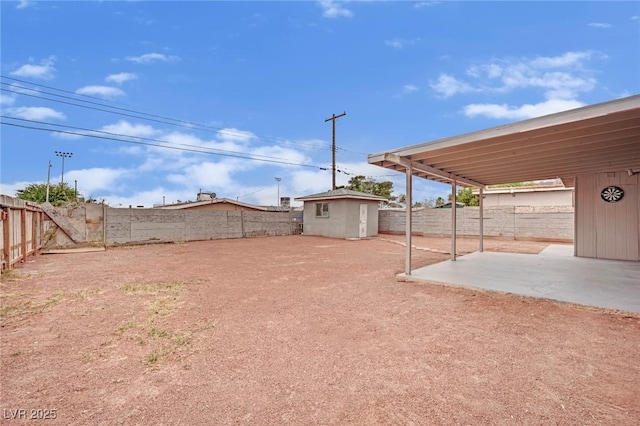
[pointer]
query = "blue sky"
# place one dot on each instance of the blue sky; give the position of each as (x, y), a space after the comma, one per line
(224, 82)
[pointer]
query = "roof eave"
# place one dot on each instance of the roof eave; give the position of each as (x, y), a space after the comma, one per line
(550, 120)
(420, 168)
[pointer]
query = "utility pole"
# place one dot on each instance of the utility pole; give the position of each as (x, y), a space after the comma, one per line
(333, 147)
(63, 155)
(48, 178)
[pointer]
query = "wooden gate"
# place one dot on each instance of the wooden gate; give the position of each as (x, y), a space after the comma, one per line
(22, 230)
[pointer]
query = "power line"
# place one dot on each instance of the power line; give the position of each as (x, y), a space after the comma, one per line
(251, 193)
(133, 113)
(353, 152)
(52, 88)
(182, 123)
(196, 150)
(213, 150)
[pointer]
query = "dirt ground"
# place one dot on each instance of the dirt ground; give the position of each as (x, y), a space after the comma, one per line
(300, 330)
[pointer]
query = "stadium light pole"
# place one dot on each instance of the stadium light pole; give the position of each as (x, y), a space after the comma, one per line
(278, 179)
(63, 155)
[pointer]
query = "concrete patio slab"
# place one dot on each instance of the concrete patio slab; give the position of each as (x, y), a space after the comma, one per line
(553, 274)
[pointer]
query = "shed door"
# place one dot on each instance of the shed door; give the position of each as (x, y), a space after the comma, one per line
(362, 230)
(617, 226)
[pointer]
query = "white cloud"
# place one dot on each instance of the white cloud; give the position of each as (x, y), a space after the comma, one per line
(66, 136)
(96, 179)
(394, 43)
(422, 4)
(307, 144)
(279, 153)
(561, 78)
(7, 99)
(599, 25)
(45, 70)
(333, 9)
(563, 85)
(569, 59)
(170, 159)
(215, 176)
(264, 195)
(491, 70)
(448, 86)
(185, 172)
(235, 135)
(309, 181)
(123, 127)
(22, 4)
(151, 162)
(407, 89)
(18, 88)
(410, 88)
(103, 91)
(152, 57)
(360, 168)
(399, 43)
(11, 188)
(189, 141)
(36, 113)
(503, 111)
(120, 77)
(144, 198)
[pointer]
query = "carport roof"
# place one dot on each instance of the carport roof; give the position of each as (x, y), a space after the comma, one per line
(597, 138)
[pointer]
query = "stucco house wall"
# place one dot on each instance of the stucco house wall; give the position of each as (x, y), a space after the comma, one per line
(343, 220)
(332, 226)
(560, 197)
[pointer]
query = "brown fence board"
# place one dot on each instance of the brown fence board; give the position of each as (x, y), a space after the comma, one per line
(22, 225)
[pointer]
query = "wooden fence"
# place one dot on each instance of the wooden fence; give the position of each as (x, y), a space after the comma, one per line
(23, 229)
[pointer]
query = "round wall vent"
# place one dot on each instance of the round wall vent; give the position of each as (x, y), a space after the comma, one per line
(612, 194)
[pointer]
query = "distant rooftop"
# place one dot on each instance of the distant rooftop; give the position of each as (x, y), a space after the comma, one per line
(191, 204)
(341, 193)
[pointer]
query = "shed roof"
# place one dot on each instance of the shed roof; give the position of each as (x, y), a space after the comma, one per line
(341, 193)
(597, 138)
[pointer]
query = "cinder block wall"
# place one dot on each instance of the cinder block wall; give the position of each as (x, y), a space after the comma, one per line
(131, 226)
(136, 226)
(549, 223)
(545, 223)
(395, 221)
(266, 223)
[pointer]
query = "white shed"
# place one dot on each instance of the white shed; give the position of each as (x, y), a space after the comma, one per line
(341, 213)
